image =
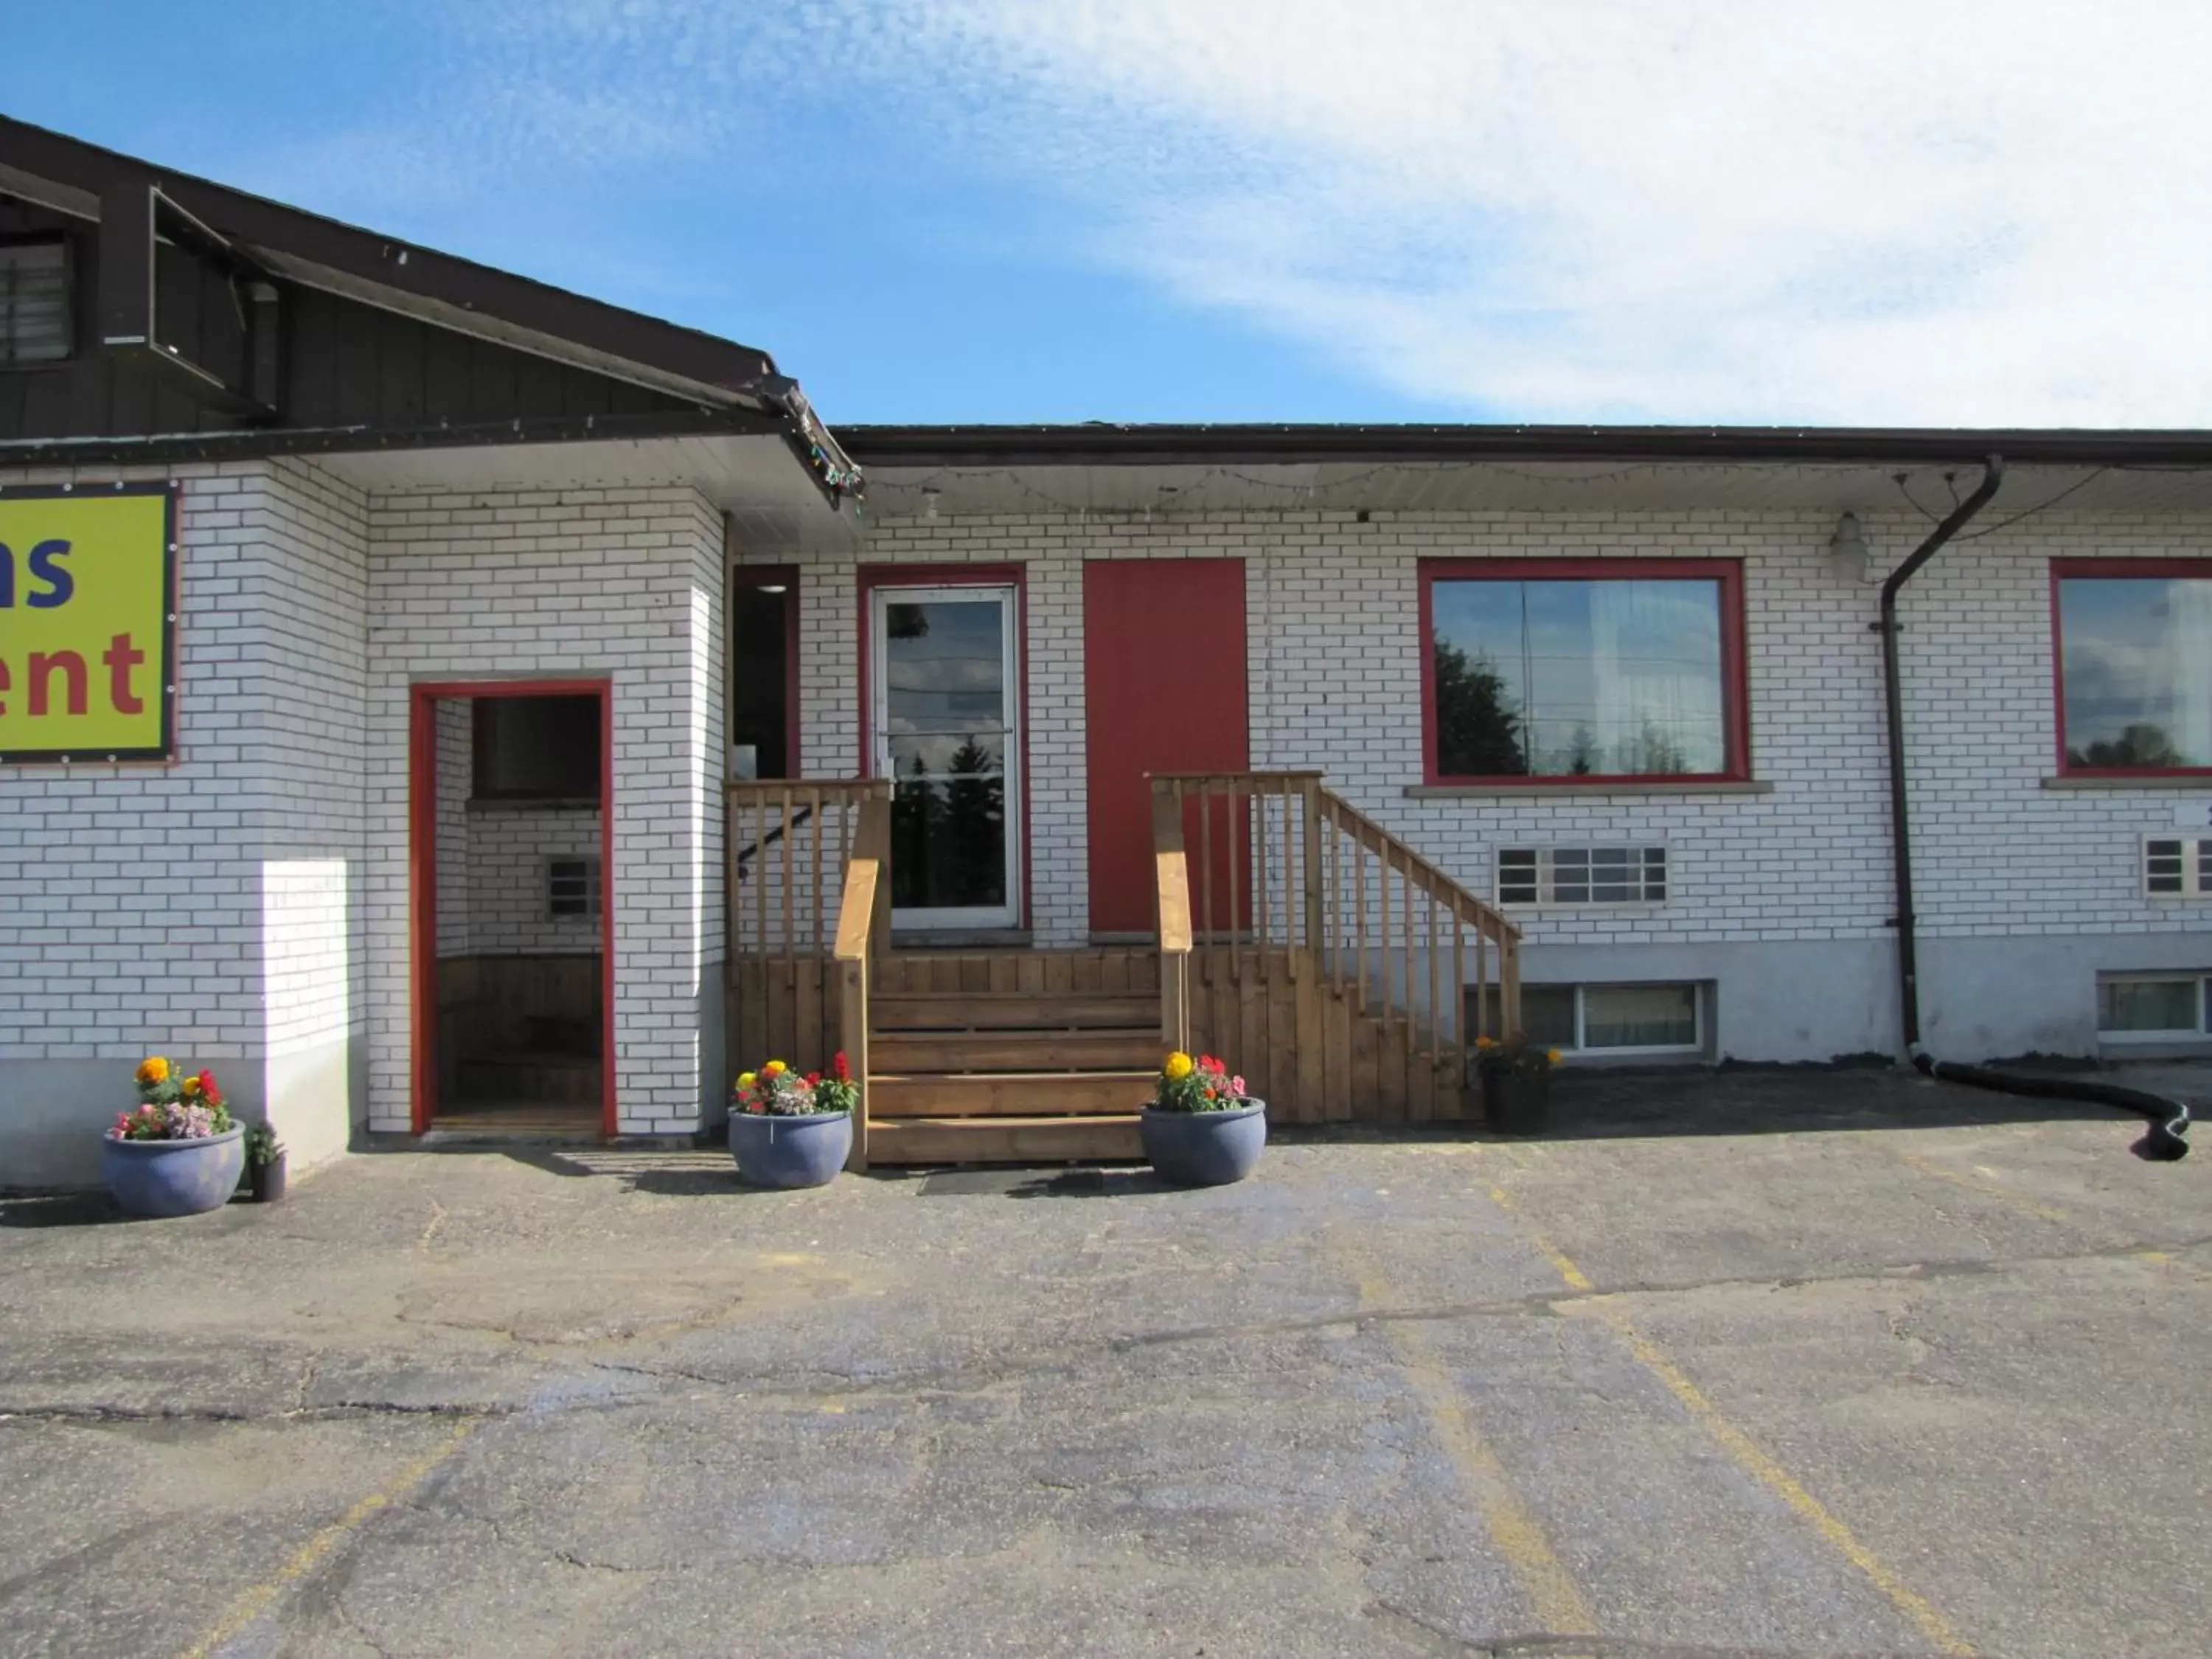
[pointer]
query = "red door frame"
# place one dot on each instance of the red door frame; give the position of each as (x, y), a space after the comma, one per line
(1016, 576)
(423, 876)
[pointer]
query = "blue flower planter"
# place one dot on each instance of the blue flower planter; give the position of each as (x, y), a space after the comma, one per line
(175, 1177)
(1205, 1149)
(790, 1151)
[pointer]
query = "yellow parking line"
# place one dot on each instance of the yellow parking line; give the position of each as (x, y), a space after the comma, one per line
(1747, 1453)
(1513, 1527)
(259, 1598)
(2167, 1259)
(1981, 1187)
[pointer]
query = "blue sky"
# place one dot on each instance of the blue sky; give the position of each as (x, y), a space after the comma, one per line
(1885, 210)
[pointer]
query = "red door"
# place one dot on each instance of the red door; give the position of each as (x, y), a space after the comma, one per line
(1163, 684)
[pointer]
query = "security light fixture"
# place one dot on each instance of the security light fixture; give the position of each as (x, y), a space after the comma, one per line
(1847, 549)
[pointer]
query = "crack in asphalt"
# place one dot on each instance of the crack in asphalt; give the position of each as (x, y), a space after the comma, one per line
(811, 1383)
(1545, 1644)
(336, 1410)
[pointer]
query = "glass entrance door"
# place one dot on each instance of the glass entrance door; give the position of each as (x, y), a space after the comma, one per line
(946, 728)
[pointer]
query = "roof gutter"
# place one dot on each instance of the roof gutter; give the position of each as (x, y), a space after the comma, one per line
(1900, 826)
(1099, 444)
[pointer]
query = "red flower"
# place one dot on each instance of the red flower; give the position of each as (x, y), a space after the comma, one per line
(813, 1077)
(840, 1069)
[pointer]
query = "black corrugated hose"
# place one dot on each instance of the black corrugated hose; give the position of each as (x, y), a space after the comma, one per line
(2165, 1141)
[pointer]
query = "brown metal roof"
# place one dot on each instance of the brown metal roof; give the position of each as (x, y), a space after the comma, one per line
(68, 173)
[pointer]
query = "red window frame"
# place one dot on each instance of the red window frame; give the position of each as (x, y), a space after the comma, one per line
(2196, 569)
(1736, 689)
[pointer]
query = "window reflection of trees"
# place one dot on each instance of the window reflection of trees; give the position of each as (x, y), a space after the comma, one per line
(949, 833)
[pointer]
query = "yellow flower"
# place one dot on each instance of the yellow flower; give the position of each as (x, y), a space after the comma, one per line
(1552, 1055)
(775, 1067)
(1485, 1043)
(153, 1069)
(745, 1079)
(192, 1087)
(1179, 1067)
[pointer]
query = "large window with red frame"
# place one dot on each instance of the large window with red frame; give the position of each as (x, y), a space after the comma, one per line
(1583, 672)
(2134, 666)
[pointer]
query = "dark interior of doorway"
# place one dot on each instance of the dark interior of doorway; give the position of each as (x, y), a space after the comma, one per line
(519, 811)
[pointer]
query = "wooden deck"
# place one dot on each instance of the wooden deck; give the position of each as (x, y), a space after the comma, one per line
(1342, 975)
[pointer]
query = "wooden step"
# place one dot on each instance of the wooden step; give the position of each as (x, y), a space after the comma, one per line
(1015, 1051)
(1069, 1094)
(1004, 1011)
(1005, 1141)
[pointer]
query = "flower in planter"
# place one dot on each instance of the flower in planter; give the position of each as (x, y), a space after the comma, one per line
(173, 1108)
(776, 1091)
(1203, 1084)
(1514, 1056)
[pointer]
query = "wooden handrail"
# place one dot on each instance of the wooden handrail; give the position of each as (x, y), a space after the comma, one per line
(863, 920)
(1314, 885)
(788, 843)
(856, 912)
(1171, 879)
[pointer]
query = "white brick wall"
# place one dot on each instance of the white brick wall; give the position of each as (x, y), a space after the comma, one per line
(507, 849)
(623, 583)
(1334, 672)
(205, 908)
(134, 892)
(452, 722)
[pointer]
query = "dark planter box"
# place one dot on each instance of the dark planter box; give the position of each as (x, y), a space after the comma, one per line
(1517, 1103)
(266, 1181)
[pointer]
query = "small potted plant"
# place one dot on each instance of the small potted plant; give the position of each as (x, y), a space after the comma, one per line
(264, 1165)
(786, 1130)
(1517, 1084)
(181, 1152)
(1201, 1129)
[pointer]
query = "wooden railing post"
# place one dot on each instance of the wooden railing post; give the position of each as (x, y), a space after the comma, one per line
(874, 841)
(1171, 884)
(1508, 984)
(1310, 796)
(855, 917)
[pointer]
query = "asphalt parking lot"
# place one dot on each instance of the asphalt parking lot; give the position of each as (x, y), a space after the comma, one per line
(1760, 1363)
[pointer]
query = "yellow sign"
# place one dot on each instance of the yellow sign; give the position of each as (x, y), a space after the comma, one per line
(88, 623)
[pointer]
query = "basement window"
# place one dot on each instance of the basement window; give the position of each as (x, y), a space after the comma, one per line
(35, 302)
(2167, 1007)
(1609, 1019)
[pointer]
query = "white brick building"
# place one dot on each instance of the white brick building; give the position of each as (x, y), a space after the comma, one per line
(350, 865)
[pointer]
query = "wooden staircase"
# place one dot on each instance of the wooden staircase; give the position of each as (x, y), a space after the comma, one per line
(1009, 1075)
(1344, 975)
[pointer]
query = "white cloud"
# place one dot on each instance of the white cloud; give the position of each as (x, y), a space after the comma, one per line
(1927, 211)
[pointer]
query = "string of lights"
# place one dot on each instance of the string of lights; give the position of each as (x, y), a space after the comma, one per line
(1317, 492)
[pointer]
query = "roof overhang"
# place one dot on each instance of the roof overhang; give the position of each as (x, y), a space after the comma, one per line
(731, 386)
(1151, 471)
